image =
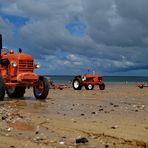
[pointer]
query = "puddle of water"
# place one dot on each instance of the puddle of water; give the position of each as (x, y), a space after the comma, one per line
(28, 104)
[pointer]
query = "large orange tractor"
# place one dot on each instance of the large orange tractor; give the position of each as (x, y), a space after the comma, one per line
(17, 74)
(88, 81)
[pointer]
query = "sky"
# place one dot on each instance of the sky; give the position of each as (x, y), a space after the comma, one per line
(68, 37)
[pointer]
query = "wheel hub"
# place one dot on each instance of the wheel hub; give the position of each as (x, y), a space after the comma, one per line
(39, 88)
(76, 84)
(89, 86)
(11, 89)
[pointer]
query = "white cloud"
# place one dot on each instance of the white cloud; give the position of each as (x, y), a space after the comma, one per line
(115, 38)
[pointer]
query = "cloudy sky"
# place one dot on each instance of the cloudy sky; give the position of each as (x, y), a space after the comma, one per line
(72, 36)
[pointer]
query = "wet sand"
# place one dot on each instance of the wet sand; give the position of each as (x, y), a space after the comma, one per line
(115, 117)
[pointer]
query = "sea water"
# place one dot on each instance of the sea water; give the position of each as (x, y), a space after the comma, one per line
(63, 79)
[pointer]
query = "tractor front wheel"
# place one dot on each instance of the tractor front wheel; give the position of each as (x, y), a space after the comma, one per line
(42, 88)
(102, 86)
(76, 84)
(15, 92)
(2, 89)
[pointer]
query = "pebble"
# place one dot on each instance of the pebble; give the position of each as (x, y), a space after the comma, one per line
(116, 105)
(73, 120)
(9, 129)
(142, 107)
(111, 103)
(4, 117)
(61, 142)
(114, 127)
(36, 132)
(101, 109)
(106, 145)
(12, 146)
(81, 140)
(93, 113)
(136, 110)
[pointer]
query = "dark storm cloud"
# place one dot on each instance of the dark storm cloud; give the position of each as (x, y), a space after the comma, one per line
(110, 25)
(113, 35)
(121, 27)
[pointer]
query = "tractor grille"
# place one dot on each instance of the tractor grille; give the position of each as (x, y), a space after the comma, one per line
(26, 66)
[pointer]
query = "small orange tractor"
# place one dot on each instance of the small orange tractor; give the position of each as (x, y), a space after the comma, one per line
(16, 74)
(88, 81)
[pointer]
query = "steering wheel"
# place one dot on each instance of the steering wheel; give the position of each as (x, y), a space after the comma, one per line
(4, 51)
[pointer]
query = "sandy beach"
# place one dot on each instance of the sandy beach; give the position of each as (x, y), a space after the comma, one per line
(116, 117)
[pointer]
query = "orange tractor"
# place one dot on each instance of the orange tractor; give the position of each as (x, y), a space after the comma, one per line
(16, 75)
(88, 81)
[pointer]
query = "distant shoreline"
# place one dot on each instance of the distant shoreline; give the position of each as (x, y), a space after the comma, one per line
(107, 79)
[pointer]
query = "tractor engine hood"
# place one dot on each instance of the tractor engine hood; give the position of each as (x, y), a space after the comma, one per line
(18, 56)
(21, 67)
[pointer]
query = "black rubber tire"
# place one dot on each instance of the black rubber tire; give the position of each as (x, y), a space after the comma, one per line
(18, 92)
(2, 89)
(76, 84)
(102, 86)
(41, 94)
(89, 87)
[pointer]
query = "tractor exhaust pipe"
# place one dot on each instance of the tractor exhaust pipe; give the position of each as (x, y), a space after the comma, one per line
(1, 45)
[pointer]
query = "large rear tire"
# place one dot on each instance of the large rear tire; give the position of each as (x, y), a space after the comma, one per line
(42, 89)
(76, 84)
(102, 86)
(15, 92)
(2, 89)
(89, 87)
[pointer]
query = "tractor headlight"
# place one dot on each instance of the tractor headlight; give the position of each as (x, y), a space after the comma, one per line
(37, 65)
(14, 64)
(84, 78)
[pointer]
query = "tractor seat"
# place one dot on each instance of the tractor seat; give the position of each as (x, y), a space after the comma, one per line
(3, 53)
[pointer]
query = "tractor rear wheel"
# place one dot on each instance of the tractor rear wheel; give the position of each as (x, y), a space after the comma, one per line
(41, 90)
(89, 87)
(77, 84)
(15, 92)
(2, 89)
(102, 86)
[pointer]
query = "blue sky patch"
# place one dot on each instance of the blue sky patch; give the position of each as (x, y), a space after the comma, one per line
(16, 20)
(76, 27)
